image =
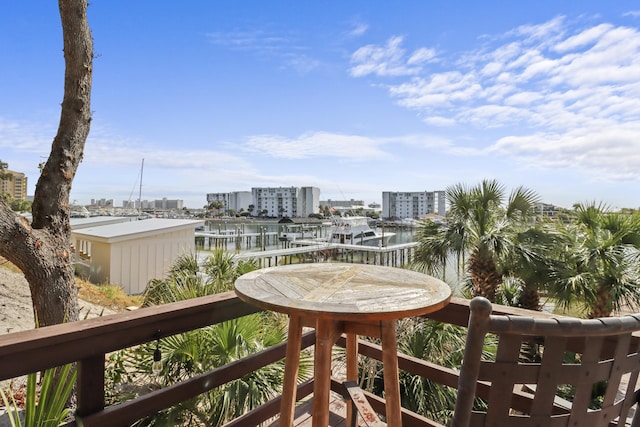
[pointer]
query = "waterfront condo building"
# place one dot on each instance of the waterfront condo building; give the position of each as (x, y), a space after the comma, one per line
(238, 201)
(286, 201)
(15, 185)
(412, 204)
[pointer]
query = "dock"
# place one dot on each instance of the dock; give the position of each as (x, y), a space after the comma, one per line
(301, 251)
(236, 241)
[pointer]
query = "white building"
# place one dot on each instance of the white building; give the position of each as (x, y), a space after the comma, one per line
(168, 204)
(161, 204)
(106, 203)
(286, 201)
(132, 253)
(308, 201)
(235, 200)
(412, 204)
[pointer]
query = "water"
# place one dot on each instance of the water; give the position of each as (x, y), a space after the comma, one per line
(405, 235)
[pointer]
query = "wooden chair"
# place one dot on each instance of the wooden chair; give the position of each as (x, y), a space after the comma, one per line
(516, 393)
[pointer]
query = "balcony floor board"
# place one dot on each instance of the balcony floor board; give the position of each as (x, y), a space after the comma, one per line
(337, 414)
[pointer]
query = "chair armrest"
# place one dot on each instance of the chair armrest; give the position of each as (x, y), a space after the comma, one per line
(361, 405)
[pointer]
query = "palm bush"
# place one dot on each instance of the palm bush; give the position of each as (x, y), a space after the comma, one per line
(199, 351)
(598, 265)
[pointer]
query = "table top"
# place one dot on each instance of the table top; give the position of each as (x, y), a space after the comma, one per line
(343, 291)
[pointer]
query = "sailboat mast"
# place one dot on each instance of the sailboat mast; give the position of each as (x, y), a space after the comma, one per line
(140, 193)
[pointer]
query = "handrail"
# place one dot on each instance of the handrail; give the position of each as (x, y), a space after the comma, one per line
(86, 343)
(21, 352)
(128, 412)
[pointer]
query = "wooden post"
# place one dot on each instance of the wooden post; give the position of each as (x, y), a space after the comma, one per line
(90, 385)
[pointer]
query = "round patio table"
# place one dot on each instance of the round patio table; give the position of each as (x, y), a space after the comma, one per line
(337, 298)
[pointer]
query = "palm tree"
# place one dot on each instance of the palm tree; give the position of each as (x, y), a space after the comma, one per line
(482, 226)
(599, 264)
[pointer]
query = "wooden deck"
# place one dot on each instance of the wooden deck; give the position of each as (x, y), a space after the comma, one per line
(337, 413)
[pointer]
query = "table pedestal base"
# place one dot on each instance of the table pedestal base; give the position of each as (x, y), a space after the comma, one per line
(327, 333)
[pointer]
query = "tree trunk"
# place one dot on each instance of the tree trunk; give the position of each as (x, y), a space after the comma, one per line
(484, 275)
(529, 298)
(602, 305)
(42, 249)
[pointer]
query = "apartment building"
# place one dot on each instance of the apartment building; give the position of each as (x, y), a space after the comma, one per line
(286, 201)
(412, 204)
(236, 200)
(15, 185)
(161, 204)
(103, 203)
(308, 201)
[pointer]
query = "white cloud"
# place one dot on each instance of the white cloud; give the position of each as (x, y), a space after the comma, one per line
(255, 39)
(523, 98)
(284, 48)
(610, 153)
(552, 94)
(589, 36)
(317, 144)
(26, 137)
(545, 33)
(439, 121)
(389, 60)
(422, 55)
(358, 30)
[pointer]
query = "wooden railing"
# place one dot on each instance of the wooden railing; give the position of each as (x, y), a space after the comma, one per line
(87, 342)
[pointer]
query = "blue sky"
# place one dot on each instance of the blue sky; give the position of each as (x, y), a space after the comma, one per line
(353, 97)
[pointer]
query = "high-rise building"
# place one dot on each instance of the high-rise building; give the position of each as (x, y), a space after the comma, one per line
(103, 203)
(15, 185)
(412, 204)
(168, 204)
(160, 204)
(308, 201)
(238, 201)
(286, 201)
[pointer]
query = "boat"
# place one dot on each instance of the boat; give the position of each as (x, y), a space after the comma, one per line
(77, 211)
(355, 230)
(298, 232)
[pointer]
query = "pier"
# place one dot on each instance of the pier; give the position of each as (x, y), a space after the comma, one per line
(287, 246)
(232, 240)
(308, 251)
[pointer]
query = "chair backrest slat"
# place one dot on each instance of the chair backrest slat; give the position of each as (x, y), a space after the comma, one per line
(553, 360)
